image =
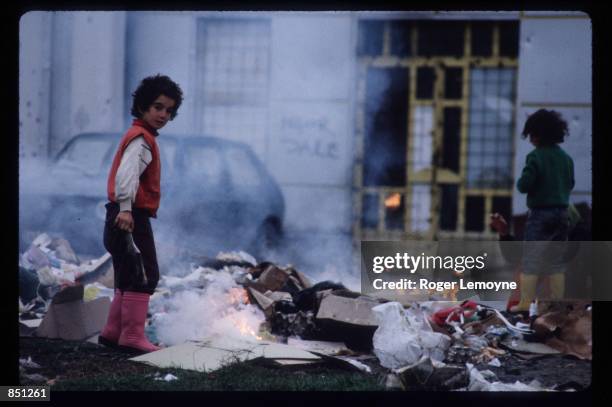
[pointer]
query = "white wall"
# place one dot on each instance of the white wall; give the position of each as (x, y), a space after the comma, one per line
(34, 80)
(555, 73)
(310, 149)
(96, 72)
(164, 43)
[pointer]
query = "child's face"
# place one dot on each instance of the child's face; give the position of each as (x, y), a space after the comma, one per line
(159, 112)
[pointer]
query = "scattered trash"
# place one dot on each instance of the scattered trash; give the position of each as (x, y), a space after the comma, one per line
(37, 378)
(495, 362)
(567, 332)
(464, 312)
(393, 382)
(476, 343)
(279, 317)
(398, 343)
(428, 374)
(28, 363)
(168, 377)
(520, 345)
(74, 319)
(239, 256)
(479, 383)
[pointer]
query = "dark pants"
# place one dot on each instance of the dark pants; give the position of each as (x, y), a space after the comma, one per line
(543, 252)
(128, 276)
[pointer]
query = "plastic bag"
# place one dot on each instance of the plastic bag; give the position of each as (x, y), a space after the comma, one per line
(400, 341)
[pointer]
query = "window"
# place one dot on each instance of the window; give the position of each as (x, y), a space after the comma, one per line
(386, 130)
(242, 168)
(489, 163)
(204, 163)
(422, 147)
(86, 154)
(233, 63)
(435, 123)
(370, 41)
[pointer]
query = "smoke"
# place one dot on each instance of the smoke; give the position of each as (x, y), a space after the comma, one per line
(320, 256)
(216, 310)
(61, 202)
(304, 139)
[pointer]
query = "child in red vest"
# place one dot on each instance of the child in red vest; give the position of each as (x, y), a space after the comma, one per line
(133, 190)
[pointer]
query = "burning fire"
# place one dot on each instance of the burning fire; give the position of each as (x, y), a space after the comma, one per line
(239, 297)
(241, 323)
(393, 201)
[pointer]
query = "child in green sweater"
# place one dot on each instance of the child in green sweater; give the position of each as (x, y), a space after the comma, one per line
(547, 179)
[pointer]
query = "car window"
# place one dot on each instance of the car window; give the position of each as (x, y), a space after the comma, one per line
(85, 154)
(242, 167)
(203, 162)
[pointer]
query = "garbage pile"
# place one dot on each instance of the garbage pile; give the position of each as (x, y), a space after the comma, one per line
(61, 296)
(235, 307)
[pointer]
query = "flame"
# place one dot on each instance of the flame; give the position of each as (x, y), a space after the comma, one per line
(244, 327)
(393, 201)
(237, 296)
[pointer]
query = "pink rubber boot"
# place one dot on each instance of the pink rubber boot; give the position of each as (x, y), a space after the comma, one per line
(110, 334)
(134, 306)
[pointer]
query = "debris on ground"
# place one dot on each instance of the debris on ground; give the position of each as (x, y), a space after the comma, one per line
(233, 309)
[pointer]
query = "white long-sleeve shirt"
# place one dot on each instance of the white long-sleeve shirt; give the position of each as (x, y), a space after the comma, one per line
(136, 157)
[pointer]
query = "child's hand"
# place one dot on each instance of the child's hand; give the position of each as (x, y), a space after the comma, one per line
(125, 221)
(499, 224)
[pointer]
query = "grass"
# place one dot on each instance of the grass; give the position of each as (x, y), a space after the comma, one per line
(83, 366)
(236, 377)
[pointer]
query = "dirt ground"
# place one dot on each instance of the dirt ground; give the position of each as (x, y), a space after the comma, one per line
(68, 365)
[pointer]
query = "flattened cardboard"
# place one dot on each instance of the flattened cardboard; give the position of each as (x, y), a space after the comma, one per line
(324, 347)
(211, 354)
(356, 311)
(294, 362)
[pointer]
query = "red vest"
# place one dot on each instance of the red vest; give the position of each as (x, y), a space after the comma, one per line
(149, 192)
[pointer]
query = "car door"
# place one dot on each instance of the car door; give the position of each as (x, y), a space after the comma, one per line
(202, 193)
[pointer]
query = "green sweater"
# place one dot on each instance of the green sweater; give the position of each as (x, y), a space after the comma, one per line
(547, 178)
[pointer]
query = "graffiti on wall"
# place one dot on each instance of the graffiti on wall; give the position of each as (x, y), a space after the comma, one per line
(309, 137)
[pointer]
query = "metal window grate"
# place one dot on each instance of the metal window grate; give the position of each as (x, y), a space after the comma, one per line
(233, 58)
(489, 163)
(422, 147)
(421, 207)
(438, 135)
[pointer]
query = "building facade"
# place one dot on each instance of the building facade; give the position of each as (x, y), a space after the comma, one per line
(379, 126)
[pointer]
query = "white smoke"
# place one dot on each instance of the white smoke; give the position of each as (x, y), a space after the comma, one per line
(195, 314)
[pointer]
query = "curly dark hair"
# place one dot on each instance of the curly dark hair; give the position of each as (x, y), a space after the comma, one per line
(150, 88)
(547, 125)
